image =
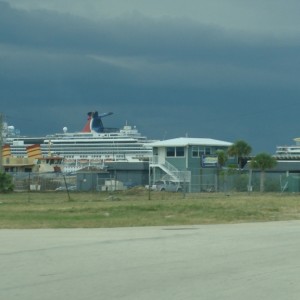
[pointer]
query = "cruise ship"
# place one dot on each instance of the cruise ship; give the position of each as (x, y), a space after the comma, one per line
(288, 152)
(95, 145)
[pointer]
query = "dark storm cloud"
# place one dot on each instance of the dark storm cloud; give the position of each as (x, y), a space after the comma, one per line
(166, 38)
(179, 75)
(154, 48)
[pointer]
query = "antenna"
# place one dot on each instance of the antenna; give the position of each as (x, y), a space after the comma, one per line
(165, 135)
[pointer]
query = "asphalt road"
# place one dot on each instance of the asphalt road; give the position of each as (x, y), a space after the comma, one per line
(242, 261)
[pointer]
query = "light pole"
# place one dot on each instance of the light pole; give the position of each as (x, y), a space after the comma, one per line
(1, 142)
(149, 181)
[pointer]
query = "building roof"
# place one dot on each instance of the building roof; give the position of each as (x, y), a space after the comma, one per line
(183, 142)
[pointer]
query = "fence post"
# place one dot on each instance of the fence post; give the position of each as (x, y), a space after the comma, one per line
(66, 187)
(149, 183)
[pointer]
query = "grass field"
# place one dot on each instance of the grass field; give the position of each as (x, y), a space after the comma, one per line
(133, 208)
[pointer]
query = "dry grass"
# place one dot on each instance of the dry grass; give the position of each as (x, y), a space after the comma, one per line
(133, 208)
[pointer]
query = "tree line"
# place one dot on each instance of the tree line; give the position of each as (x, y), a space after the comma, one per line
(241, 150)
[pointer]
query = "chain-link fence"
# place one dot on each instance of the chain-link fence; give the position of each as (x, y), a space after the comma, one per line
(246, 182)
(223, 182)
(42, 182)
(82, 182)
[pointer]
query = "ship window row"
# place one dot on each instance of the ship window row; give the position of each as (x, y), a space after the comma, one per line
(101, 151)
(95, 151)
(98, 157)
(104, 155)
(92, 157)
(62, 143)
(95, 147)
(96, 154)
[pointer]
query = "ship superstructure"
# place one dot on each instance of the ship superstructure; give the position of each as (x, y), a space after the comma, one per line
(289, 152)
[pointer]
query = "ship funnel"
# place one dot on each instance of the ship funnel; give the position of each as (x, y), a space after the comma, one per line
(34, 151)
(94, 122)
(6, 151)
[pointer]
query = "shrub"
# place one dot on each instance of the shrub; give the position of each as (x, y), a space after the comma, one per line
(6, 184)
(241, 183)
(272, 185)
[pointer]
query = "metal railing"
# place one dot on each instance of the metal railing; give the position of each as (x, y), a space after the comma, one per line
(172, 173)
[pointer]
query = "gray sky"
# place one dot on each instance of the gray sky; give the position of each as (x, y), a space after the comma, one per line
(224, 69)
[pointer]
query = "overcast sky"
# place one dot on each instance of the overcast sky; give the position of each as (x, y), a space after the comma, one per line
(223, 69)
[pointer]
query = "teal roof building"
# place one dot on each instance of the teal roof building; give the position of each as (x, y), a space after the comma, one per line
(193, 162)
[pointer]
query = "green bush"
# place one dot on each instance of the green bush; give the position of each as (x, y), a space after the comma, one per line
(241, 183)
(272, 185)
(6, 184)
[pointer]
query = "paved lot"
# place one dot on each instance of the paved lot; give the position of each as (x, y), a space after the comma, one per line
(243, 261)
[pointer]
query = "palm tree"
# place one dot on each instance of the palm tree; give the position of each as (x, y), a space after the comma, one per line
(222, 157)
(263, 161)
(239, 149)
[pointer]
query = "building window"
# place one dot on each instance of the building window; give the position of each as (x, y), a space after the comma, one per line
(199, 151)
(207, 150)
(170, 151)
(179, 151)
(175, 151)
(195, 151)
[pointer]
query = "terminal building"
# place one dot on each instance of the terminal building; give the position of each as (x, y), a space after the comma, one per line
(192, 162)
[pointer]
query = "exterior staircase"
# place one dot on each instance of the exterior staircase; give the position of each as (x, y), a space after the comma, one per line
(171, 172)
